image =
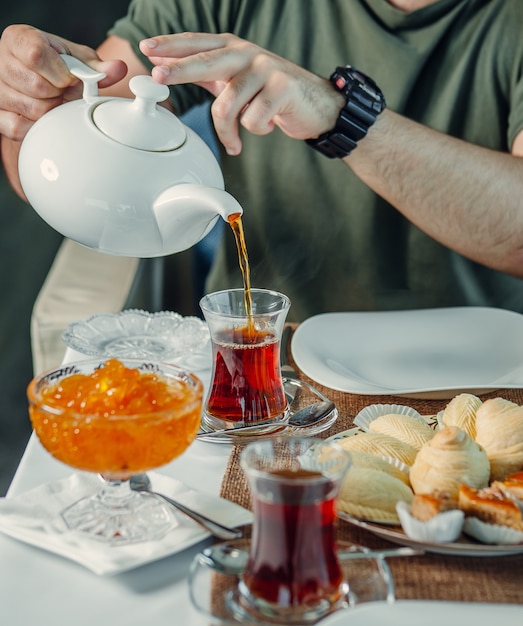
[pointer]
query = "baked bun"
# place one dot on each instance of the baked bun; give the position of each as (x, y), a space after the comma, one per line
(372, 495)
(406, 428)
(382, 445)
(499, 429)
(491, 506)
(461, 412)
(451, 458)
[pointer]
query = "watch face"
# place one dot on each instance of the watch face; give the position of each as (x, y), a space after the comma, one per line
(359, 76)
(347, 75)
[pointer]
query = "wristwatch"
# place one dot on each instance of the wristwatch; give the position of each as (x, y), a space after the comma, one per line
(364, 102)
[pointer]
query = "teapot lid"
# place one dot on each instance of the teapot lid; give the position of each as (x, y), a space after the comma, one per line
(140, 123)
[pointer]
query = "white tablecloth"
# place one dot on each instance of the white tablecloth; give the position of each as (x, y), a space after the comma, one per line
(38, 587)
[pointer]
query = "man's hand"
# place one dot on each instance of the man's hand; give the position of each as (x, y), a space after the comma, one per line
(34, 79)
(252, 87)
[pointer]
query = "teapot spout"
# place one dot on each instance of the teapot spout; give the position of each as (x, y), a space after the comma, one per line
(185, 213)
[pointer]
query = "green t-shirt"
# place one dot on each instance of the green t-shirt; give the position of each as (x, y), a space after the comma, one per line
(313, 229)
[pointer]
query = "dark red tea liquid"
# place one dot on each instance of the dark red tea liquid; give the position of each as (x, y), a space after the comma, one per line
(247, 384)
(293, 555)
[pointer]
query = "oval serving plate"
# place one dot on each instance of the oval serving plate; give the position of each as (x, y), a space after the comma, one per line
(462, 547)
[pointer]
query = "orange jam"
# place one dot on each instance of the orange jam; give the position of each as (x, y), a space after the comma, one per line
(116, 420)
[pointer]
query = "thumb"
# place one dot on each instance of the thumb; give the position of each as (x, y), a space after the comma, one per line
(114, 70)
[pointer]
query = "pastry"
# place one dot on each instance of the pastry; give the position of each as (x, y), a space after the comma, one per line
(451, 458)
(406, 428)
(373, 461)
(382, 445)
(425, 506)
(431, 518)
(461, 412)
(372, 495)
(491, 506)
(511, 486)
(499, 429)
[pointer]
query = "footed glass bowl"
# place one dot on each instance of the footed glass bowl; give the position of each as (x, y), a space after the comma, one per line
(116, 418)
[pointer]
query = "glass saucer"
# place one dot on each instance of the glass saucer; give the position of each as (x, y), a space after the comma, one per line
(165, 336)
(299, 395)
(216, 595)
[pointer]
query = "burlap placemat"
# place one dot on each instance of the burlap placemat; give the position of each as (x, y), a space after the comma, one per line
(431, 576)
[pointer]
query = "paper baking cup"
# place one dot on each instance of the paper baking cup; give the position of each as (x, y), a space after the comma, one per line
(372, 412)
(445, 527)
(403, 467)
(491, 533)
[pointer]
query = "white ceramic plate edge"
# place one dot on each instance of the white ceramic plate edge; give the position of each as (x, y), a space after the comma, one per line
(426, 612)
(396, 535)
(309, 353)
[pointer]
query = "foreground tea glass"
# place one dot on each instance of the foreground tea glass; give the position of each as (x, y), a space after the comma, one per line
(293, 574)
(246, 385)
(116, 418)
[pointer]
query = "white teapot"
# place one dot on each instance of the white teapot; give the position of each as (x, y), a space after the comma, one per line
(122, 176)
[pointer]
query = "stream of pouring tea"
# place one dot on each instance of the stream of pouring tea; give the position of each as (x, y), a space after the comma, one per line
(235, 221)
(247, 385)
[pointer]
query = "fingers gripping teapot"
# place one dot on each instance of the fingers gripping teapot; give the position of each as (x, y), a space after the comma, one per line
(122, 176)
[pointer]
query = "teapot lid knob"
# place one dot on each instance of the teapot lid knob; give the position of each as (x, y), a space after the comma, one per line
(141, 123)
(148, 92)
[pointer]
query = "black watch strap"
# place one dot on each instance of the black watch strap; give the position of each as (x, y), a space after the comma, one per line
(364, 102)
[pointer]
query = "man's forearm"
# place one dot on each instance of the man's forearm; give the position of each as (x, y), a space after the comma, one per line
(464, 196)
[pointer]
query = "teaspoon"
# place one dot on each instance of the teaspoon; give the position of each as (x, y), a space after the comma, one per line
(308, 416)
(141, 483)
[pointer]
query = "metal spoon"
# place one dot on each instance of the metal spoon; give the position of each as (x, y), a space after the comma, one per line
(141, 483)
(225, 559)
(231, 560)
(308, 416)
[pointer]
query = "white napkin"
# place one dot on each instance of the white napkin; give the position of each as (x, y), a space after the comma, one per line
(34, 517)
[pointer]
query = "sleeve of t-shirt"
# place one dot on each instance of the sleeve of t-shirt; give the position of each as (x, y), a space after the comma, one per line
(147, 18)
(513, 62)
(515, 119)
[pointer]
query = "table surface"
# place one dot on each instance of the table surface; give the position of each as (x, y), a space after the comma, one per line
(431, 576)
(34, 583)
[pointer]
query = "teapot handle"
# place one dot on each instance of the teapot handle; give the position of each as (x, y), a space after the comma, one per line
(88, 76)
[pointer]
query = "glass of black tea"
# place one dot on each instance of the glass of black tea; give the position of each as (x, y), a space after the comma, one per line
(293, 574)
(246, 383)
